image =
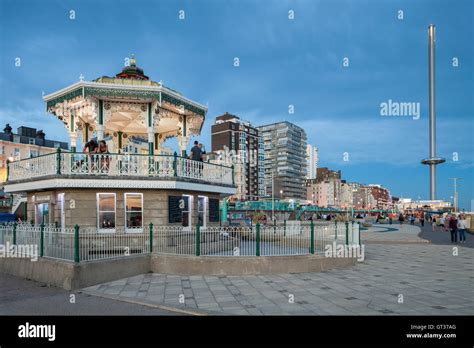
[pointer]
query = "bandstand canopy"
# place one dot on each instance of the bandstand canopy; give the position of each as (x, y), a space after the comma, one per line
(129, 104)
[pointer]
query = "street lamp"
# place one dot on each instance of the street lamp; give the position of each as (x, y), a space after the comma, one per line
(455, 181)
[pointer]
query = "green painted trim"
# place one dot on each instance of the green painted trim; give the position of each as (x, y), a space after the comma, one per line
(106, 92)
(42, 240)
(120, 136)
(71, 126)
(123, 92)
(198, 240)
(150, 148)
(87, 131)
(311, 247)
(68, 96)
(347, 233)
(151, 237)
(358, 229)
(73, 149)
(172, 100)
(175, 164)
(150, 123)
(14, 233)
(58, 161)
(257, 239)
(184, 125)
(76, 243)
(233, 176)
(101, 111)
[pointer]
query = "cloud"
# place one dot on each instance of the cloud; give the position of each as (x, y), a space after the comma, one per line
(24, 115)
(395, 141)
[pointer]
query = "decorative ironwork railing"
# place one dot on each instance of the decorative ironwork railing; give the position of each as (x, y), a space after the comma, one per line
(87, 244)
(118, 165)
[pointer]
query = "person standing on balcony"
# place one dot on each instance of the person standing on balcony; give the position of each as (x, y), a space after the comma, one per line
(104, 160)
(196, 155)
(203, 151)
(91, 148)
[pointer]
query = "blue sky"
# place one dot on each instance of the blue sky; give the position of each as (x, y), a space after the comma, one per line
(282, 62)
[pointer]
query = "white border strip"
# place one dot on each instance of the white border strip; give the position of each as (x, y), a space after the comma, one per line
(116, 184)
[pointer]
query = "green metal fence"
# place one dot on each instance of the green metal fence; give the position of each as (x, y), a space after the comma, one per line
(76, 244)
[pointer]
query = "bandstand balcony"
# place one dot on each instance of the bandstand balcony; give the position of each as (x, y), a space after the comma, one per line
(70, 166)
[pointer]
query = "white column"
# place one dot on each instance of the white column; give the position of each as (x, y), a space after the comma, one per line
(183, 142)
(100, 132)
(151, 140)
(73, 138)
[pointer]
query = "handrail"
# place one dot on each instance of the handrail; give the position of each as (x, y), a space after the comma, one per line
(118, 164)
(29, 158)
(120, 154)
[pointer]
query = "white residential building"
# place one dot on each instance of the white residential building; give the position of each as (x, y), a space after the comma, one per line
(311, 161)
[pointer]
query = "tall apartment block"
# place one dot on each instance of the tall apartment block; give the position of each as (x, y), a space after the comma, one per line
(239, 143)
(285, 160)
(311, 161)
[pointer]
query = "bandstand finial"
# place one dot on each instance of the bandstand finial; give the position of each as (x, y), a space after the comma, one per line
(133, 61)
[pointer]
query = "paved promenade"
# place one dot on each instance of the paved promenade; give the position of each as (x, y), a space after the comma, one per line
(395, 233)
(19, 296)
(402, 274)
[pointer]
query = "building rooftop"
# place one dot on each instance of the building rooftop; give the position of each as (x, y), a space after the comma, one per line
(27, 135)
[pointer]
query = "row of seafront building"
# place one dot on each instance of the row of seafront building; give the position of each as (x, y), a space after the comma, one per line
(269, 160)
(275, 160)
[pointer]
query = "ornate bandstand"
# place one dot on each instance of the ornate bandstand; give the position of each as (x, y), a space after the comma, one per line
(119, 188)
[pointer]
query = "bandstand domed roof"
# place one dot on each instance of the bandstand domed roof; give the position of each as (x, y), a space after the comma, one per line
(132, 71)
(131, 74)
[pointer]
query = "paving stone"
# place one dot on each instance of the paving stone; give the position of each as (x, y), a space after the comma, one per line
(431, 280)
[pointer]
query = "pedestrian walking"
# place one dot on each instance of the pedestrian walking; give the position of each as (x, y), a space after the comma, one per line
(400, 219)
(442, 221)
(433, 223)
(453, 227)
(462, 227)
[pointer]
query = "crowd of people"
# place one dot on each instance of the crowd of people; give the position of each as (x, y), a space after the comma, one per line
(93, 147)
(456, 224)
